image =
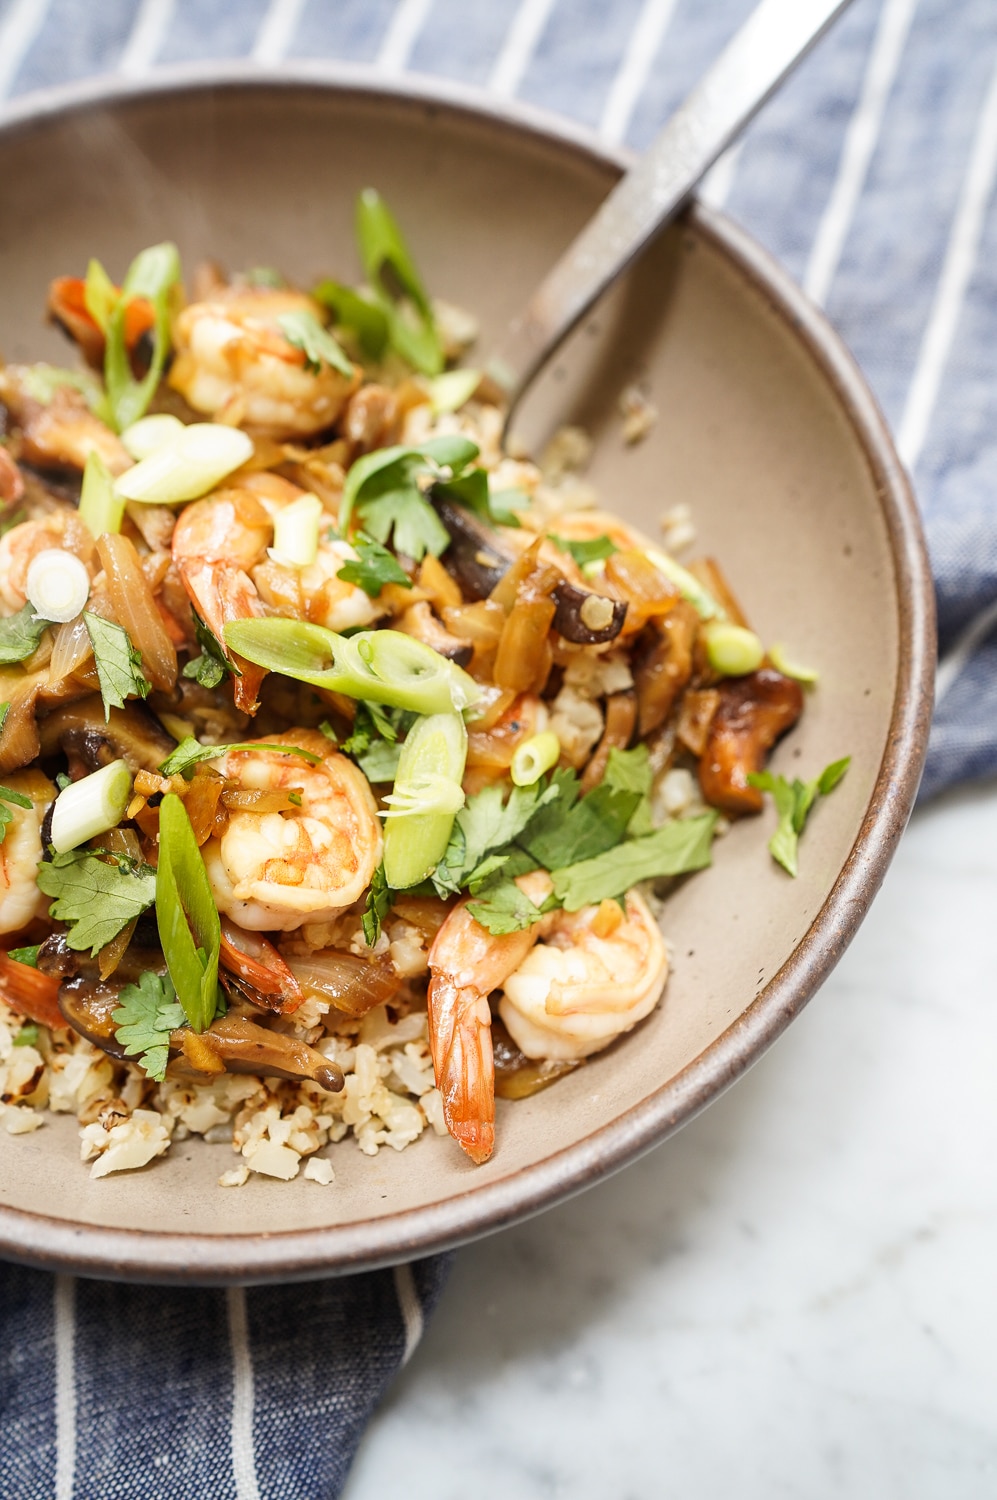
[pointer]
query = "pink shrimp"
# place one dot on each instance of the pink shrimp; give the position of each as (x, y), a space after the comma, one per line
(466, 963)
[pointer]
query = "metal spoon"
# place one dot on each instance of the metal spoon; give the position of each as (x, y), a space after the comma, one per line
(768, 46)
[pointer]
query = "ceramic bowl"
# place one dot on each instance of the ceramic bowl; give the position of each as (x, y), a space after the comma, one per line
(765, 428)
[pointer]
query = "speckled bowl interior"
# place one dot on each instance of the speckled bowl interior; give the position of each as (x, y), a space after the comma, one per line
(764, 428)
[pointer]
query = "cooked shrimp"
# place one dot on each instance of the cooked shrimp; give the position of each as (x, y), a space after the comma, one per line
(234, 362)
(274, 871)
(465, 964)
(21, 852)
(220, 548)
(595, 975)
(59, 432)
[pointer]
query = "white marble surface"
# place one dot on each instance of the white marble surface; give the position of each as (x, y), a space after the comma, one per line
(796, 1296)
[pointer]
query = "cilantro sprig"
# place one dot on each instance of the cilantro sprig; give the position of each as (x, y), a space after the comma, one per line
(597, 549)
(190, 752)
(119, 665)
(96, 894)
(16, 799)
(212, 667)
(386, 489)
(146, 1014)
(20, 635)
(304, 331)
(373, 567)
(794, 801)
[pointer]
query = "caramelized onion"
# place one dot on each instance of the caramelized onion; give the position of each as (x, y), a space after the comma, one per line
(135, 608)
(70, 649)
(352, 985)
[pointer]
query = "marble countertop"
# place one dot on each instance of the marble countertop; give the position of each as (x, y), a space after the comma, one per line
(794, 1297)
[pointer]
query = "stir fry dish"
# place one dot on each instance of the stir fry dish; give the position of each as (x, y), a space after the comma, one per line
(344, 755)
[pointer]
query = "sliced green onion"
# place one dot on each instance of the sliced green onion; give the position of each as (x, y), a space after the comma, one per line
(732, 650)
(380, 666)
(148, 434)
(90, 806)
(152, 275)
(426, 797)
(687, 584)
(304, 331)
(450, 391)
(100, 295)
(101, 507)
(58, 585)
(412, 328)
(189, 927)
(790, 668)
(535, 756)
(202, 455)
(295, 533)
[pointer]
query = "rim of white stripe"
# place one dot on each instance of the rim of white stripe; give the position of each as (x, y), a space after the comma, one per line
(525, 30)
(402, 34)
(859, 144)
(410, 1307)
(146, 39)
(18, 31)
(243, 1397)
(277, 30)
(953, 283)
(641, 52)
(954, 662)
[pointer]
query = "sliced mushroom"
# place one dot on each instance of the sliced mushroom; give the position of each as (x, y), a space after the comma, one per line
(476, 559)
(663, 665)
(242, 1046)
(88, 1006)
(419, 621)
(752, 713)
(61, 432)
(132, 734)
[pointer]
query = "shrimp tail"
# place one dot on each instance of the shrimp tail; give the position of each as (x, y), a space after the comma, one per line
(461, 1043)
(222, 593)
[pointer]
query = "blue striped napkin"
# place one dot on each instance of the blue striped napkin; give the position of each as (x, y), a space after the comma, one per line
(872, 177)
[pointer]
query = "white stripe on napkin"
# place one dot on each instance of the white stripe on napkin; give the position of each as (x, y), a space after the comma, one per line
(960, 258)
(519, 45)
(64, 1293)
(243, 1457)
(951, 665)
(402, 34)
(19, 28)
(860, 142)
(277, 30)
(631, 76)
(147, 36)
(411, 1309)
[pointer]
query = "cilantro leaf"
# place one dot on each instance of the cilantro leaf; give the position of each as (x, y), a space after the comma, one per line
(27, 956)
(27, 1036)
(630, 771)
(383, 487)
(119, 665)
(304, 331)
(472, 491)
(592, 825)
(595, 550)
(380, 899)
(485, 825)
(190, 752)
(20, 635)
(96, 897)
(356, 312)
(502, 908)
(677, 849)
(6, 816)
(212, 666)
(793, 803)
(145, 1015)
(373, 567)
(380, 762)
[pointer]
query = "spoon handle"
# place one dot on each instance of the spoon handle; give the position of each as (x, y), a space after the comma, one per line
(777, 34)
